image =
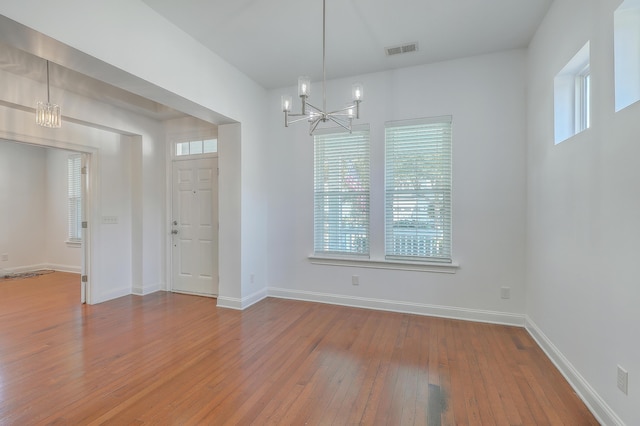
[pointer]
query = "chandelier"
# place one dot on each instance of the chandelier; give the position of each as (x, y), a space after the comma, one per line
(48, 114)
(314, 115)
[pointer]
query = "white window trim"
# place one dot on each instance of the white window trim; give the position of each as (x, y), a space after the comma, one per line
(395, 257)
(626, 24)
(193, 138)
(582, 104)
(570, 117)
(438, 267)
(73, 241)
(337, 253)
(374, 262)
(194, 156)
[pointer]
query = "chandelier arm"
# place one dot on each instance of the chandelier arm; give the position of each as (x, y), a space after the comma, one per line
(338, 111)
(340, 123)
(315, 108)
(338, 118)
(313, 125)
(297, 115)
(303, 118)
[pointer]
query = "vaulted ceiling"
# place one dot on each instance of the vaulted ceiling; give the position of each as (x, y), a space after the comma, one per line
(274, 41)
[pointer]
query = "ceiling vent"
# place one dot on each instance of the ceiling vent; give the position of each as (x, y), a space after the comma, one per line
(404, 48)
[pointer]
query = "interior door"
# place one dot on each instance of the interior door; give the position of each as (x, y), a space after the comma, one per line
(195, 226)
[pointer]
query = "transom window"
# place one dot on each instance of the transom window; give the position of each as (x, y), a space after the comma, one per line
(207, 146)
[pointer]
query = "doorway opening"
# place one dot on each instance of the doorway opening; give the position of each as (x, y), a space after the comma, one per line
(43, 230)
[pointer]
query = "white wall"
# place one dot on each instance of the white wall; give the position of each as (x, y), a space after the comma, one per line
(583, 206)
(486, 97)
(34, 209)
(111, 168)
(23, 200)
(580, 202)
(211, 83)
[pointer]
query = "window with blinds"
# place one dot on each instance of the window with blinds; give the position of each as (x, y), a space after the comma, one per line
(418, 190)
(74, 191)
(341, 193)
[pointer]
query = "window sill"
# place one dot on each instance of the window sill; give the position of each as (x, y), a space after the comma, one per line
(444, 268)
(76, 244)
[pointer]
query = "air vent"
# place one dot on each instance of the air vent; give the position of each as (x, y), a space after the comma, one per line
(404, 48)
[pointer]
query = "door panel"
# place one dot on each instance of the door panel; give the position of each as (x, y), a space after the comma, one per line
(195, 238)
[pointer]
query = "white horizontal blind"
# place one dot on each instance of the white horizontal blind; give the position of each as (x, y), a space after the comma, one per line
(74, 165)
(418, 189)
(341, 193)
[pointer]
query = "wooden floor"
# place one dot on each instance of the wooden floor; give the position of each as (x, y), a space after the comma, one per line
(177, 359)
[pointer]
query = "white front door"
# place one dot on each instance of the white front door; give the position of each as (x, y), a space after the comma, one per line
(195, 226)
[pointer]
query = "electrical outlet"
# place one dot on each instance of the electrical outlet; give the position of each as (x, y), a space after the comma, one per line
(623, 380)
(109, 220)
(505, 292)
(5, 257)
(355, 280)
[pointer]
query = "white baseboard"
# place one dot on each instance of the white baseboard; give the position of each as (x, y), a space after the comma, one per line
(240, 304)
(105, 297)
(147, 289)
(65, 268)
(478, 315)
(27, 268)
(600, 409)
(30, 268)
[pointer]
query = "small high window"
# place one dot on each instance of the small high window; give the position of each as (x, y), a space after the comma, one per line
(626, 21)
(572, 96)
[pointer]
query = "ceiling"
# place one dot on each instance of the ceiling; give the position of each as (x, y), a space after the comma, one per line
(19, 62)
(275, 41)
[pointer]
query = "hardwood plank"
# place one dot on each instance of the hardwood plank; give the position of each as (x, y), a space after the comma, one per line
(177, 359)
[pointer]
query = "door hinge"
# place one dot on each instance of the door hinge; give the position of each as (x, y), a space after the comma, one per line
(85, 279)
(84, 170)
(85, 225)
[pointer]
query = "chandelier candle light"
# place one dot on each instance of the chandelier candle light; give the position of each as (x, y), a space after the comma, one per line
(314, 115)
(48, 114)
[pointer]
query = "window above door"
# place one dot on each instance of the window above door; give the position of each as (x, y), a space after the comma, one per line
(196, 147)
